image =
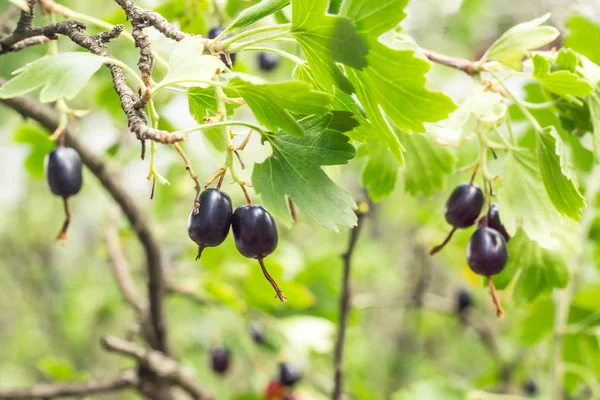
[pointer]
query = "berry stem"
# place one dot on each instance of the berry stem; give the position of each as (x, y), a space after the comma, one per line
(280, 294)
(495, 298)
(62, 235)
(444, 243)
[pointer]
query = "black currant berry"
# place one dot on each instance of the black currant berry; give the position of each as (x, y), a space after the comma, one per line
(530, 388)
(212, 34)
(255, 236)
(210, 226)
(462, 209)
(463, 301)
(464, 205)
(486, 252)
(493, 221)
(487, 255)
(288, 375)
(254, 231)
(268, 61)
(64, 176)
(63, 171)
(220, 357)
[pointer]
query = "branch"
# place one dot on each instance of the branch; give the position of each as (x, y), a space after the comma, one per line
(124, 380)
(345, 303)
(151, 18)
(137, 122)
(120, 265)
(461, 64)
(49, 118)
(161, 365)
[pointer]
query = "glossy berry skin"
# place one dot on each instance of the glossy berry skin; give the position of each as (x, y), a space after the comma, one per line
(530, 388)
(486, 252)
(268, 61)
(254, 231)
(210, 226)
(274, 390)
(220, 358)
(63, 171)
(288, 375)
(464, 205)
(493, 220)
(463, 301)
(212, 34)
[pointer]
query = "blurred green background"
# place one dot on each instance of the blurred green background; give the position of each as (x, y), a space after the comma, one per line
(57, 301)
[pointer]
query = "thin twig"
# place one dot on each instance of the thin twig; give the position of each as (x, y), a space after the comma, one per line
(345, 303)
(124, 380)
(461, 64)
(159, 364)
(193, 175)
(119, 264)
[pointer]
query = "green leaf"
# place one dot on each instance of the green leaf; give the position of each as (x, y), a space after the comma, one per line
(273, 103)
(380, 171)
(60, 76)
(563, 83)
(567, 59)
(37, 140)
(513, 45)
(294, 169)
(325, 40)
(187, 65)
(394, 80)
(584, 37)
(537, 271)
(202, 103)
(594, 105)
(556, 175)
(524, 202)
(427, 164)
(257, 12)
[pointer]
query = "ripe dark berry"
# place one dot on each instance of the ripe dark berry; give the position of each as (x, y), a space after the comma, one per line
(288, 375)
(267, 61)
(530, 388)
(255, 236)
(463, 301)
(254, 231)
(487, 255)
(210, 226)
(462, 209)
(64, 176)
(212, 34)
(486, 252)
(220, 358)
(493, 221)
(63, 171)
(464, 205)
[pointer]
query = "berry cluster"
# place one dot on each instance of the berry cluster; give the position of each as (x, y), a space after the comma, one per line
(266, 61)
(487, 253)
(64, 176)
(254, 230)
